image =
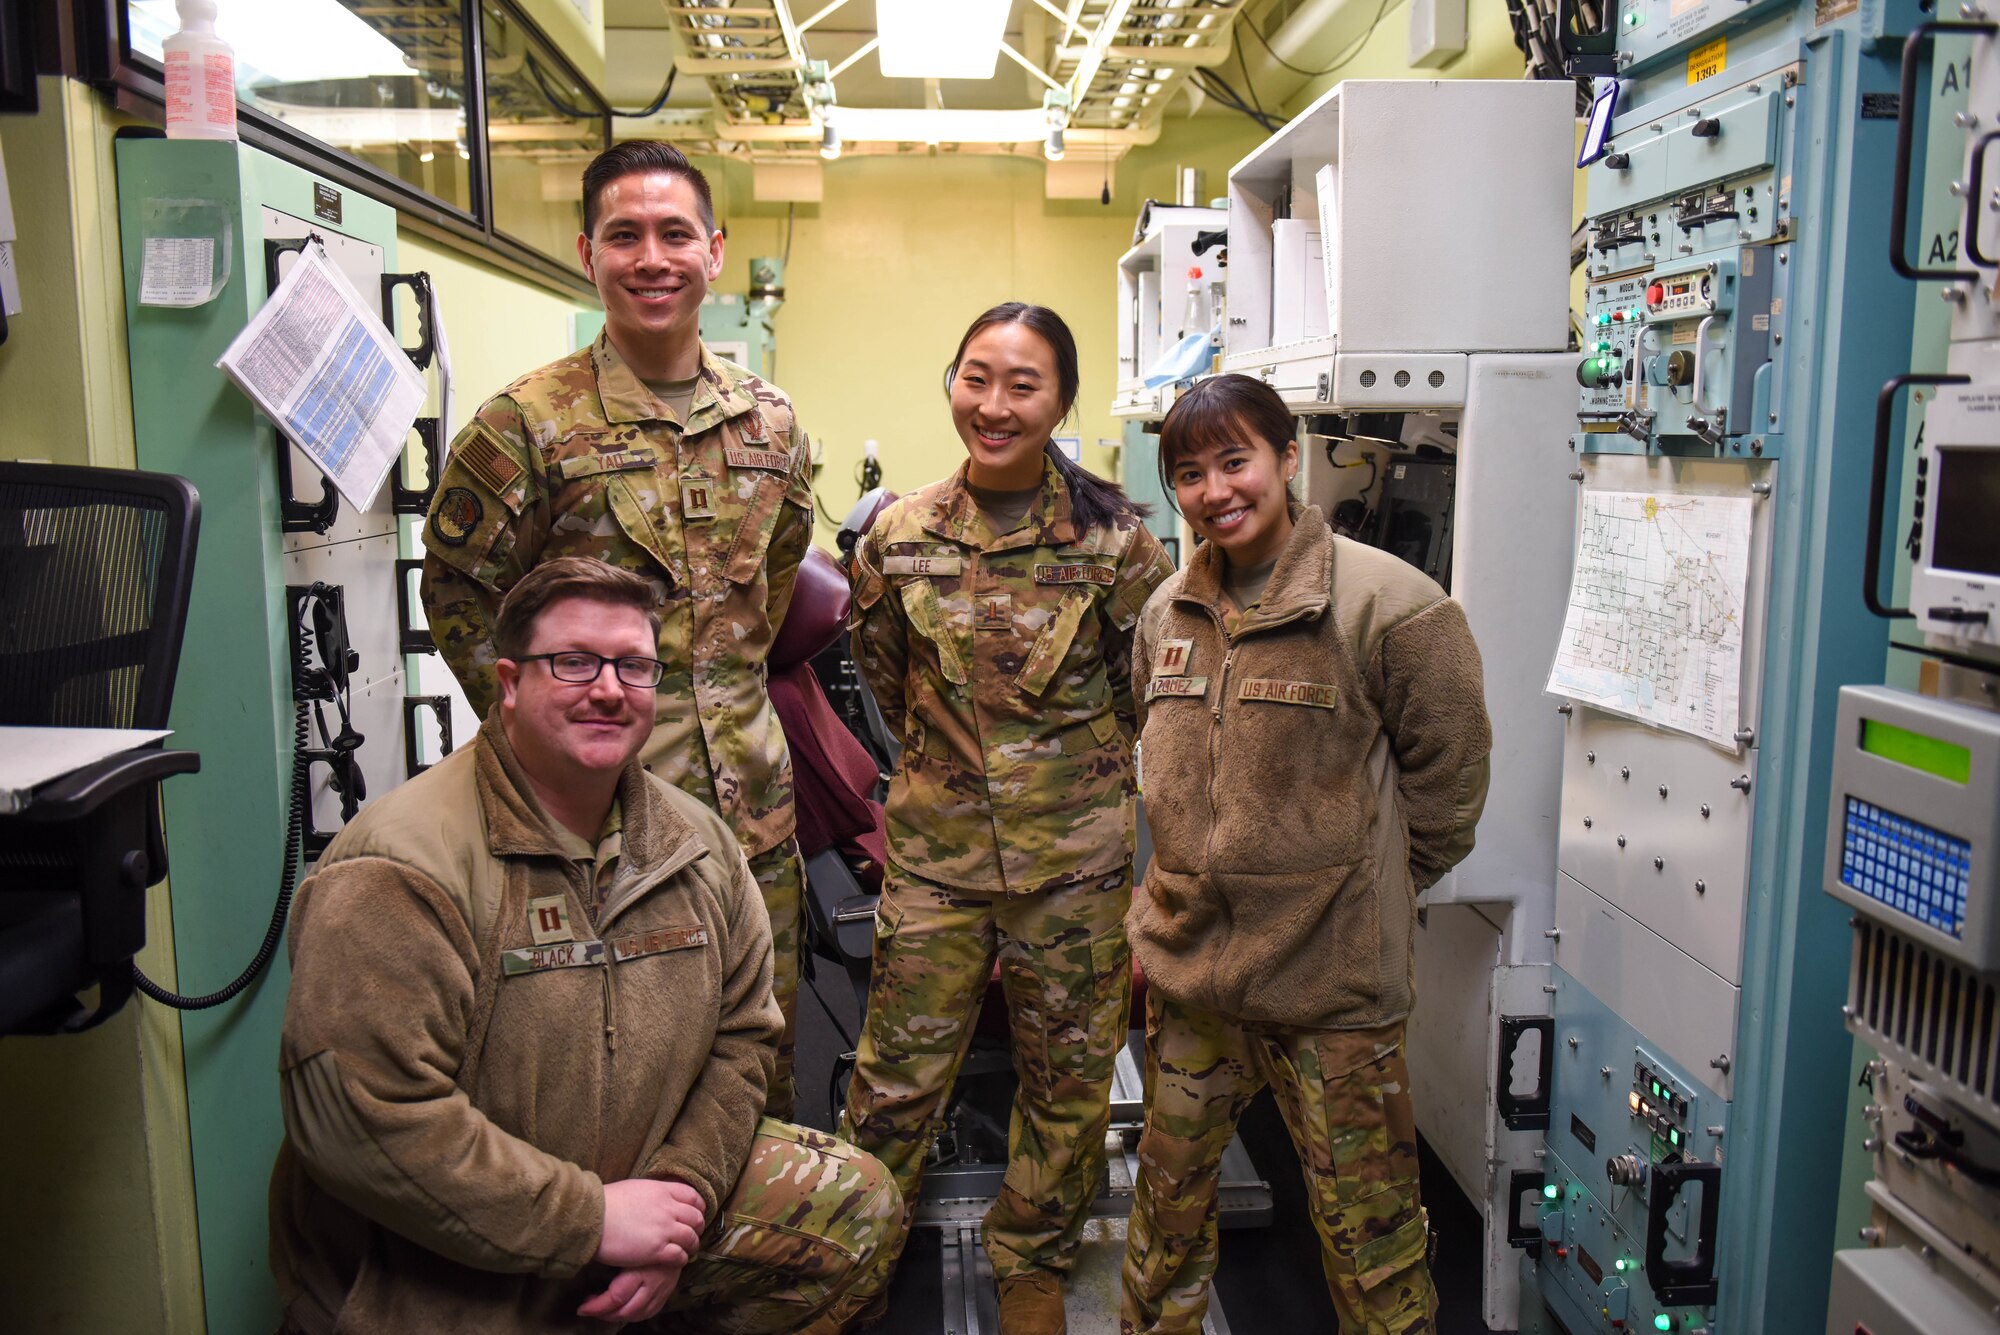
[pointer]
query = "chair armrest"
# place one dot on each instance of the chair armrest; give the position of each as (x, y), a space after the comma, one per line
(81, 792)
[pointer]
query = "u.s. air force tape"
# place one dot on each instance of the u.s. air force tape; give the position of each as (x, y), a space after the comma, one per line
(745, 456)
(1077, 572)
(1312, 693)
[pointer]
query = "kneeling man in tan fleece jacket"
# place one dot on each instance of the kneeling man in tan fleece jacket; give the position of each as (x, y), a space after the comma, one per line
(530, 1030)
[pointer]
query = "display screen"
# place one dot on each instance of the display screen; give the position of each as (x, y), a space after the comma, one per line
(1947, 760)
(1966, 511)
(1597, 137)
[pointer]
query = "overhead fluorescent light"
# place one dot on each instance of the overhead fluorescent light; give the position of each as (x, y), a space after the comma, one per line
(927, 39)
(913, 125)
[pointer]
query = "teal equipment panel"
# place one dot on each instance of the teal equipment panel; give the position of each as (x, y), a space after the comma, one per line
(226, 825)
(1739, 309)
(740, 331)
(1139, 474)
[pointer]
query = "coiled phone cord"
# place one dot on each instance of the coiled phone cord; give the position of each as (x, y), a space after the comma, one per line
(295, 825)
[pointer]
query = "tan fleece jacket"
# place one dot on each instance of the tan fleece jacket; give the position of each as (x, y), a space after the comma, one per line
(1304, 779)
(457, 1091)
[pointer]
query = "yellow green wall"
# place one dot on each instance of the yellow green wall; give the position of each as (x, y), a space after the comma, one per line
(498, 326)
(1489, 50)
(100, 1233)
(887, 271)
(64, 393)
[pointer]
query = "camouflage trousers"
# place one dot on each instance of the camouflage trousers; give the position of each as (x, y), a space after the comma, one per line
(1065, 968)
(807, 1219)
(1345, 1096)
(781, 877)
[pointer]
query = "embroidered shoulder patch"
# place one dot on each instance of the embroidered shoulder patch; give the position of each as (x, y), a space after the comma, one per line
(487, 462)
(1076, 573)
(1167, 687)
(1290, 692)
(457, 515)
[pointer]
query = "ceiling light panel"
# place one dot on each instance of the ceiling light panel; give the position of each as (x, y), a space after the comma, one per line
(927, 39)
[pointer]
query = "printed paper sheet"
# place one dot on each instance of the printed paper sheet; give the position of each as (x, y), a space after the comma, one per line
(1654, 629)
(318, 362)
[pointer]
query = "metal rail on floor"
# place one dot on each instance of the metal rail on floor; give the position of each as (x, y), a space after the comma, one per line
(956, 1197)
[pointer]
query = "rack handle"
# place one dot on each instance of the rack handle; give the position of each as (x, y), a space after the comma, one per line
(1878, 485)
(1688, 1283)
(1906, 137)
(1975, 187)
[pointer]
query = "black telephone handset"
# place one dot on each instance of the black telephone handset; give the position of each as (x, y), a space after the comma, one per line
(329, 680)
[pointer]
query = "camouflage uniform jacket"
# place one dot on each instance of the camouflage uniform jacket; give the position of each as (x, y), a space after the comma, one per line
(1306, 775)
(467, 1057)
(580, 459)
(1004, 662)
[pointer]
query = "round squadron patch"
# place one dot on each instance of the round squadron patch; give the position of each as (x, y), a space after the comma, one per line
(458, 513)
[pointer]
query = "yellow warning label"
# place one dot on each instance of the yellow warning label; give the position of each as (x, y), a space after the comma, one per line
(1706, 60)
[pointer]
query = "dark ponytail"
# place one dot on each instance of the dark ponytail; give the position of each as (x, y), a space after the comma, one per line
(1094, 502)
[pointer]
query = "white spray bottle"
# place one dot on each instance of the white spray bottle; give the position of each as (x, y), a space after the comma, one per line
(201, 77)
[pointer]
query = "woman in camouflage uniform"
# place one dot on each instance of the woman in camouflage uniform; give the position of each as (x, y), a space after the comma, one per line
(1315, 744)
(994, 613)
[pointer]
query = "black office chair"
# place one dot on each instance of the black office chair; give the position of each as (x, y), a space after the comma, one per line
(95, 568)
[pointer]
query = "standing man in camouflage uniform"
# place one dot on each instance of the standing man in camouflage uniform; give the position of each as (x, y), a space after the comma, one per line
(993, 620)
(649, 452)
(530, 1028)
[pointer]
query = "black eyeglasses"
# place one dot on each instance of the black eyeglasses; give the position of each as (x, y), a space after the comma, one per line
(577, 667)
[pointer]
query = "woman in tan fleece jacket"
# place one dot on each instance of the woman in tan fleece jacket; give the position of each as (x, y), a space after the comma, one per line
(1314, 742)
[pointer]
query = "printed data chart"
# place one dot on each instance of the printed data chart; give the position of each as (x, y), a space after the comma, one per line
(1654, 629)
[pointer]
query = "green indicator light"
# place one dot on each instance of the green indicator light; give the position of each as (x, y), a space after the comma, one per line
(1552, 1191)
(1663, 1322)
(1604, 318)
(1656, 1089)
(1673, 1137)
(1619, 1264)
(1604, 347)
